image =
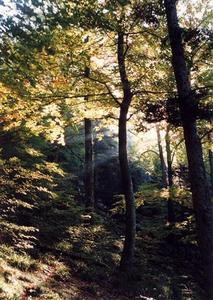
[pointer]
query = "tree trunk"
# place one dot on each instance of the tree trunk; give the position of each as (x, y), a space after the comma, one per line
(211, 168)
(202, 203)
(129, 243)
(89, 181)
(171, 215)
(162, 161)
(89, 165)
(211, 165)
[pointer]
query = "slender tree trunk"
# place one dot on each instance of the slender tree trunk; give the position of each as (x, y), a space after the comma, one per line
(95, 155)
(171, 215)
(89, 165)
(211, 168)
(162, 161)
(211, 165)
(129, 243)
(89, 181)
(202, 203)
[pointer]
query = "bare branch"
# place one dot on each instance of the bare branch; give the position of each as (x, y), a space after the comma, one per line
(205, 134)
(134, 113)
(67, 96)
(150, 150)
(145, 31)
(174, 150)
(152, 92)
(107, 87)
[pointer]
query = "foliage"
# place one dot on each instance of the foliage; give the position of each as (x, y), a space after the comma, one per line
(45, 49)
(119, 204)
(182, 196)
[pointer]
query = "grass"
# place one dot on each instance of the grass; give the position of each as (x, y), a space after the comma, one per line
(21, 261)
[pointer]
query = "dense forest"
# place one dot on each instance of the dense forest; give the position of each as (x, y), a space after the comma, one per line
(106, 164)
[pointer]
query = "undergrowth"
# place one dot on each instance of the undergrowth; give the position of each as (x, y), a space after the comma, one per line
(52, 248)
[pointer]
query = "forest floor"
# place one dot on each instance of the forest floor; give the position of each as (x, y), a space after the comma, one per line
(76, 256)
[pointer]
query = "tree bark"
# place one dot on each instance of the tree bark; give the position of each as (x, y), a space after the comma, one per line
(211, 168)
(89, 164)
(171, 215)
(202, 203)
(129, 243)
(89, 180)
(211, 164)
(162, 161)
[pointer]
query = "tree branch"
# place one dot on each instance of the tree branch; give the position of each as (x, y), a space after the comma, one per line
(107, 87)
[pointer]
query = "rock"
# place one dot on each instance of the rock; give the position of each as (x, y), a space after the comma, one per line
(144, 298)
(86, 218)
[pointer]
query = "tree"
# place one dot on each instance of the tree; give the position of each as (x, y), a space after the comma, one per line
(89, 157)
(129, 244)
(161, 156)
(211, 167)
(171, 215)
(202, 203)
(89, 164)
